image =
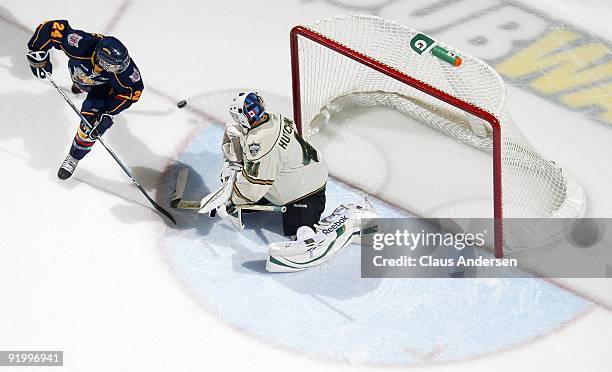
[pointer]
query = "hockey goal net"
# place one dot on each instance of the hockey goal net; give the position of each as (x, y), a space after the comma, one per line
(366, 61)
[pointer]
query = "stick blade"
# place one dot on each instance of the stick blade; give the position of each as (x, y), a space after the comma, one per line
(181, 183)
(164, 212)
(188, 204)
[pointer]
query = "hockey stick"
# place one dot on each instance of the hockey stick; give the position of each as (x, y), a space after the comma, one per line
(235, 217)
(110, 151)
(263, 208)
(195, 205)
(181, 182)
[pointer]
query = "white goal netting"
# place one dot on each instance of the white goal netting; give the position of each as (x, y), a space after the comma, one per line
(450, 164)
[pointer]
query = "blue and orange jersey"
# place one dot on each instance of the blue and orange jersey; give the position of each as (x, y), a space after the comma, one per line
(80, 48)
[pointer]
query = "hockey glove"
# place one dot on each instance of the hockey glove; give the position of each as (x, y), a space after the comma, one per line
(105, 122)
(232, 149)
(229, 211)
(40, 63)
(229, 170)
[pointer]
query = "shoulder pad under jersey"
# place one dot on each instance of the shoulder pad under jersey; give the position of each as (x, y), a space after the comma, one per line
(79, 45)
(261, 140)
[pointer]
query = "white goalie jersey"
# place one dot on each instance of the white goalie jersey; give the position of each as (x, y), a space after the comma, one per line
(278, 163)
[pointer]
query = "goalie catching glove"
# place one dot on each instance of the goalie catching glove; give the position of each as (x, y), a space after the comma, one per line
(313, 247)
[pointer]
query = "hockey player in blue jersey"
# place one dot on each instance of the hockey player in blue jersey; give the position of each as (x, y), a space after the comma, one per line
(99, 66)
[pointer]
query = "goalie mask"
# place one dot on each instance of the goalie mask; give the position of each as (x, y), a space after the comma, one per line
(247, 109)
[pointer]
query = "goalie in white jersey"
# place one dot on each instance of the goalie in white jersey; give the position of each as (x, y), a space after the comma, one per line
(268, 162)
(278, 165)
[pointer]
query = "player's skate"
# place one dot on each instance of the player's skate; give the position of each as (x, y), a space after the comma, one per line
(67, 168)
(311, 248)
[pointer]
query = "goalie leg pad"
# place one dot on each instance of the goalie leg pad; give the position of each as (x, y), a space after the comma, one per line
(332, 234)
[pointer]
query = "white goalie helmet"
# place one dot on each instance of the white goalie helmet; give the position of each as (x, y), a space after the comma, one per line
(247, 108)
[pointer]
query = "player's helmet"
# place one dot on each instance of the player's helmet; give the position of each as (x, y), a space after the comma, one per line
(247, 108)
(112, 55)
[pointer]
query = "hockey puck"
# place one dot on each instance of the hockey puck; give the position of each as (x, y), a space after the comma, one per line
(181, 103)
